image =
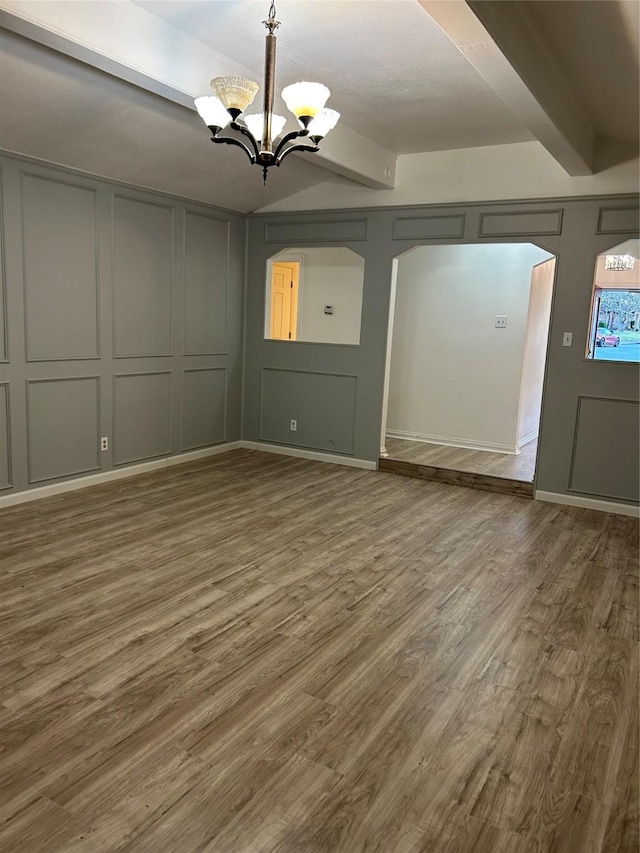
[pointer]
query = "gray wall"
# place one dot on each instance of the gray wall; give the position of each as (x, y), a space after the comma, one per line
(588, 408)
(121, 315)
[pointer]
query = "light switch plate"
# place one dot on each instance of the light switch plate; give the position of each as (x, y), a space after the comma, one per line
(567, 339)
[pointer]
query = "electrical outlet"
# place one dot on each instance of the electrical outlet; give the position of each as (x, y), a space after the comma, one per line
(294, 425)
(104, 443)
(567, 339)
(501, 321)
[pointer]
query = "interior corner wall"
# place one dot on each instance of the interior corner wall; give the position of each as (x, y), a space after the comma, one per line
(122, 317)
(455, 378)
(589, 427)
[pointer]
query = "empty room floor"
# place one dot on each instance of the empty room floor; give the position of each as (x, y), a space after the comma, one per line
(259, 653)
(507, 465)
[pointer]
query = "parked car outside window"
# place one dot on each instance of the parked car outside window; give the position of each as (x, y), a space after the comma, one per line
(606, 338)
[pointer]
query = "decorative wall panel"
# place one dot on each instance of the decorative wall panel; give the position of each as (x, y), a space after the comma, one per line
(5, 458)
(141, 263)
(62, 427)
(4, 349)
(60, 270)
(206, 271)
(301, 232)
(322, 404)
(204, 407)
(606, 455)
(614, 220)
(428, 227)
(141, 416)
(529, 223)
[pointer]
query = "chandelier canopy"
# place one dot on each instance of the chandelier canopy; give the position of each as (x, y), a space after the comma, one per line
(232, 95)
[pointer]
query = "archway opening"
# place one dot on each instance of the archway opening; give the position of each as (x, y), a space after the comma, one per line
(467, 357)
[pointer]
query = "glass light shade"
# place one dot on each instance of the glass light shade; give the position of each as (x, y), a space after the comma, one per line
(236, 93)
(212, 111)
(323, 122)
(305, 99)
(255, 123)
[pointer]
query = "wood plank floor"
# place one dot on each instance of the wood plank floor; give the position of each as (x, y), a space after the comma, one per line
(507, 465)
(259, 653)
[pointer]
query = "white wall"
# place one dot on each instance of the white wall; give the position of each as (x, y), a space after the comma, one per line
(535, 350)
(329, 276)
(518, 170)
(454, 376)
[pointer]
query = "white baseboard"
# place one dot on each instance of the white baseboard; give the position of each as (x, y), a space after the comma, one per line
(193, 455)
(315, 455)
(588, 503)
(453, 442)
(115, 474)
(169, 461)
(526, 439)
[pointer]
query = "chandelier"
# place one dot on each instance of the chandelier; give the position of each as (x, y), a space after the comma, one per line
(619, 262)
(263, 146)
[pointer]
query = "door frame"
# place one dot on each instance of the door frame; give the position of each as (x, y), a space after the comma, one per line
(383, 453)
(282, 257)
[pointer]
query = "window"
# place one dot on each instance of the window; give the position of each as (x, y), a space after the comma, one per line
(314, 294)
(614, 329)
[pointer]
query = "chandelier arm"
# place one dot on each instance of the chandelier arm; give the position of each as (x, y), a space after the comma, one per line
(294, 134)
(229, 140)
(311, 148)
(246, 132)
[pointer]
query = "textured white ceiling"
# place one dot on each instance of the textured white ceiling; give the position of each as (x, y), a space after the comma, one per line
(393, 74)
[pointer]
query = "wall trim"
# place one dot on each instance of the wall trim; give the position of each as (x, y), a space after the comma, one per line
(115, 474)
(530, 436)
(315, 455)
(586, 503)
(489, 446)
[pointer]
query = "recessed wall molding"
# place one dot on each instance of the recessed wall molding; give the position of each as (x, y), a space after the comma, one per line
(63, 417)
(310, 231)
(530, 223)
(142, 416)
(92, 287)
(4, 323)
(618, 220)
(432, 227)
(142, 275)
(606, 424)
(6, 481)
(303, 395)
(204, 407)
(60, 269)
(206, 246)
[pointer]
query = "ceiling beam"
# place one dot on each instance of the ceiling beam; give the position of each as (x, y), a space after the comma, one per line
(502, 43)
(128, 42)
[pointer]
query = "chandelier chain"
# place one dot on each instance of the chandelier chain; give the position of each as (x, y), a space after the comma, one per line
(271, 24)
